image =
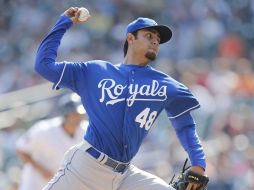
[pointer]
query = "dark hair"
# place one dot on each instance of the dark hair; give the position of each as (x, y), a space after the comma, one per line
(125, 47)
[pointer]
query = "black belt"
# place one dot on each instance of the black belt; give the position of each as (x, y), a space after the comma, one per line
(115, 165)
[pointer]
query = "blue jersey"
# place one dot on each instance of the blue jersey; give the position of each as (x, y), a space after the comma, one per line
(122, 101)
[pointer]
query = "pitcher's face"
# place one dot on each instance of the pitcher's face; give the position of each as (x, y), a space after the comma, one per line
(147, 43)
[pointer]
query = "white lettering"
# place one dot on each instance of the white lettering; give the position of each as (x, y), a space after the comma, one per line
(106, 85)
(155, 86)
(118, 90)
(113, 91)
(144, 90)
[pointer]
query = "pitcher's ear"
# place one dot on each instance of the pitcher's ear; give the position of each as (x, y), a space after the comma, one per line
(130, 38)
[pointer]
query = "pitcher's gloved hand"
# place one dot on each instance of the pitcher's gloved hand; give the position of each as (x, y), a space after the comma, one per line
(187, 176)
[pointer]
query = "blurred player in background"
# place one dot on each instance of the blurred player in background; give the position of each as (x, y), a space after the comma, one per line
(43, 146)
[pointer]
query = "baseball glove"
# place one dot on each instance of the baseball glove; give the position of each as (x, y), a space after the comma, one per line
(187, 176)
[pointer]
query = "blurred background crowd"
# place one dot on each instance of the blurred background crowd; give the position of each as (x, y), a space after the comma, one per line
(211, 52)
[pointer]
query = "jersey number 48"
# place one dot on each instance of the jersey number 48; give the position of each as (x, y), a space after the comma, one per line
(145, 118)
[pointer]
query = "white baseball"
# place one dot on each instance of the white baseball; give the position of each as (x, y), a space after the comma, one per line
(84, 14)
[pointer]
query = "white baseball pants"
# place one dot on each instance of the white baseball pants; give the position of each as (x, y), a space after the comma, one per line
(80, 171)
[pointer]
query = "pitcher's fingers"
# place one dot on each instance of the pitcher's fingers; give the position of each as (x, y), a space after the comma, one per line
(75, 18)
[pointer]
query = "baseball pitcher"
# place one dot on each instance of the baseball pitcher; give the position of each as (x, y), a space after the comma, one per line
(122, 102)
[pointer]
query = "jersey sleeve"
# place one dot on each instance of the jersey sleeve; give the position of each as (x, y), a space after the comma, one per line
(182, 102)
(62, 74)
(73, 76)
(185, 129)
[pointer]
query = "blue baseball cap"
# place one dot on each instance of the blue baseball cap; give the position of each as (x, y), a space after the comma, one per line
(146, 23)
